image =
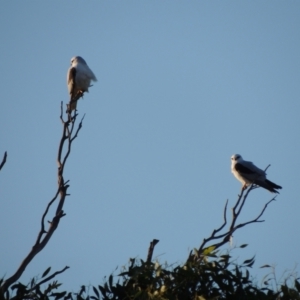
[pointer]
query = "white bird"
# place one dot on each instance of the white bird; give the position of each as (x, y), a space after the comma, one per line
(247, 173)
(79, 79)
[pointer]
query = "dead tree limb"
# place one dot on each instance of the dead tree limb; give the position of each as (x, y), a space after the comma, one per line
(68, 135)
(151, 250)
(222, 238)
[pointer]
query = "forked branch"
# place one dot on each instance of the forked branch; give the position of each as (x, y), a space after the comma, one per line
(68, 135)
(220, 238)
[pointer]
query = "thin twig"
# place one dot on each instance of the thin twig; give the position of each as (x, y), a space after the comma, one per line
(48, 278)
(3, 160)
(215, 231)
(44, 236)
(42, 231)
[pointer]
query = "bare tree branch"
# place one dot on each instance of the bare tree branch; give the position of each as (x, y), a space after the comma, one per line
(3, 160)
(236, 211)
(44, 235)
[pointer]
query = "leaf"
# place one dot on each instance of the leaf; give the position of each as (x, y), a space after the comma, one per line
(297, 285)
(102, 290)
(82, 290)
(7, 295)
(285, 290)
(225, 256)
(110, 281)
(247, 275)
(244, 245)
(136, 296)
(96, 292)
(251, 264)
(208, 250)
(163, 288)
(123, 273)
(237, 272)
(60, 295)
(249, 261)
(266, 282)
(46, 272)
(32, 282)
(265, 266)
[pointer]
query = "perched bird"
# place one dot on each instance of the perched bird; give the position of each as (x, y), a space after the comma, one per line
(247, 173)
(79, 79)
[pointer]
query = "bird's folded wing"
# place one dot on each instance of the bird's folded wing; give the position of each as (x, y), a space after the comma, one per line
(243, 169)
(71, 80)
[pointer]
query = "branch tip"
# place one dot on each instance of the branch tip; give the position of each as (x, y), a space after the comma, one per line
(3, 160)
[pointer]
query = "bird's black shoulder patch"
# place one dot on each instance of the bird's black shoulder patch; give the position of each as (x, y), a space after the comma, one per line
(243, 169)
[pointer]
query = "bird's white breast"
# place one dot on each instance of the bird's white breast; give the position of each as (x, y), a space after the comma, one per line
(238, 176)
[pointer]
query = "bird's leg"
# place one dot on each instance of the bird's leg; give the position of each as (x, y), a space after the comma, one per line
(80, 93)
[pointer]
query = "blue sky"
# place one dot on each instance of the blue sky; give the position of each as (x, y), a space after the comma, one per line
(181, 87)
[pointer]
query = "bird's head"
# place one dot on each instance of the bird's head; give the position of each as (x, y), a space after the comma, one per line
(236, 158)
(77, 60)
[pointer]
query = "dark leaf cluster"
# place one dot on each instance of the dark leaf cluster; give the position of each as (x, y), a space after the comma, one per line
(210, 278)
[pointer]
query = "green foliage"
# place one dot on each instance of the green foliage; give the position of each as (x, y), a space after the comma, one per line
(208, 276)
(204, 278)
(33, 291)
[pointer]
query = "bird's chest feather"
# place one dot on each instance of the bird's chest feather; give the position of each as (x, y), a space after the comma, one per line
(238, 176)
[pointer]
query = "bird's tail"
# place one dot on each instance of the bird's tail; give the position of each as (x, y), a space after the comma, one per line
(269, 185)
(274, 185)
